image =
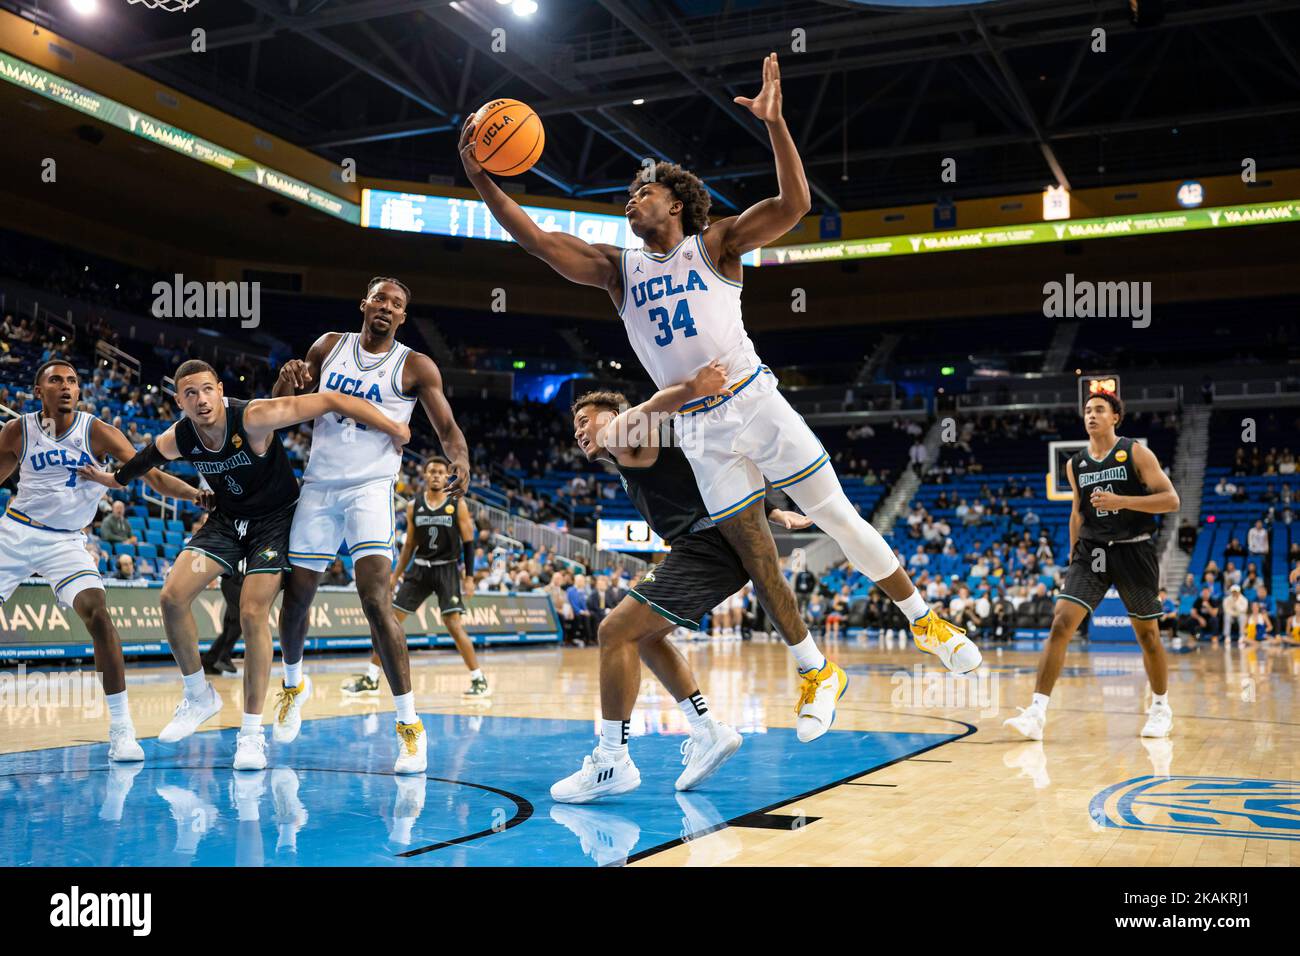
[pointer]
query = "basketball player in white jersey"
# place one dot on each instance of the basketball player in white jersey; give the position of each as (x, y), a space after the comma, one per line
(42, 528)
(347, 491)
(234, 444)
(679, 298)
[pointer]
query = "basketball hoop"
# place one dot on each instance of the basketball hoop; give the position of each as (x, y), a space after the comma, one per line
(169, 6)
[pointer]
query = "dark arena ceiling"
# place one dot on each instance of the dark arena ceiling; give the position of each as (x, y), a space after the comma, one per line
(878, 98)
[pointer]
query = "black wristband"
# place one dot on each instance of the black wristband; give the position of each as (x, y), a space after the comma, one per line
(147, 458)
(467, 554)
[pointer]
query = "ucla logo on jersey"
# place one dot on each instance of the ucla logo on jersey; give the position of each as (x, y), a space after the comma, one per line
(59, 458)
(660, 287)
(1204, 806)
(338, 382)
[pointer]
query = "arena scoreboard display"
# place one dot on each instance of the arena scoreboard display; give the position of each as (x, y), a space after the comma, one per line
(471, 219)
(620, 535)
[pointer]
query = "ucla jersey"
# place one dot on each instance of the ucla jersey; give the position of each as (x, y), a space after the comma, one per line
(51, 495)
(344, 452)
(681, 313)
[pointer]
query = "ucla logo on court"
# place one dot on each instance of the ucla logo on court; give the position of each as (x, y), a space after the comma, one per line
(1206, 806)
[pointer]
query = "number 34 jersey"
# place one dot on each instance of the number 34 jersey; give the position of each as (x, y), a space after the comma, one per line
(681, 313)
(245, 484)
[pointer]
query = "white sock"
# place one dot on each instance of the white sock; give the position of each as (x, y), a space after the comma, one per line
(372, 671)
(913, 606)
(476, 673)
(1040, 701)
(1155, 699)
(292, 674)
(251, 724)
(613, 737)
(696, 709)
(806, 655)
(405, 705)
(117, 710)
(196, 685)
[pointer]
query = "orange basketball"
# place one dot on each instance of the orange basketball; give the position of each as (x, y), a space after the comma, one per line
(508, 137)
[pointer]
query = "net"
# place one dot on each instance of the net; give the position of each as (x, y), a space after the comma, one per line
(170, 6)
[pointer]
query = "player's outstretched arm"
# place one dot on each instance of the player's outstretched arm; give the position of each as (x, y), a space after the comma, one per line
(302, 375)
(1162, 499)
(108, 440)
(266, 415)
(581, 262)
(769, 220)
(136, 464)
(11, 441)
(420, 377)
(638, 426)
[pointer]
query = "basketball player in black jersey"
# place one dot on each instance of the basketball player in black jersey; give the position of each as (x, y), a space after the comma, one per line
(1119, 488)
(699, 573)
(233, 444)
(439, 537)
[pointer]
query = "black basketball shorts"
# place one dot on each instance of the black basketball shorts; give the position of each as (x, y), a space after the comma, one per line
(261, 543)
(421, 580)
(699, 573)
(1133, 568)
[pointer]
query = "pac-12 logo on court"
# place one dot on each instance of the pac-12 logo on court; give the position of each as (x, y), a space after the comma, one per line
(1205, 806)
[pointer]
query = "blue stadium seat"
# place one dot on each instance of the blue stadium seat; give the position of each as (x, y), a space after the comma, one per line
(171, 551)
(137, 525)
(174, 525)
(153, 535)
(147, 550)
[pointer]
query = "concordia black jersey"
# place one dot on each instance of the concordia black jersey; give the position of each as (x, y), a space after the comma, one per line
(245, 484)
(437, 539)
(666, 495)
(1118, 474)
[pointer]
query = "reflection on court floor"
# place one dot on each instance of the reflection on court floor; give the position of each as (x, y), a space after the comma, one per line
(330, 798)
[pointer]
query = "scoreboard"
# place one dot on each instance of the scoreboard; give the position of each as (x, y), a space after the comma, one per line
(471, 219)
(619, 535)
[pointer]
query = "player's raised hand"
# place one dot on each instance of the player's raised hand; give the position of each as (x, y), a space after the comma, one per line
(710, 380)
(206, 500)
(767, 104)
(296, 373)
(467, 133)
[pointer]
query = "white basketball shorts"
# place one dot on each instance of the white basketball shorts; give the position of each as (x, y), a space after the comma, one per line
(58, 556)
(359, 519)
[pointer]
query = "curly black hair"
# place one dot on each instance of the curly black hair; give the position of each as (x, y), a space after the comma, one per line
(686, 186)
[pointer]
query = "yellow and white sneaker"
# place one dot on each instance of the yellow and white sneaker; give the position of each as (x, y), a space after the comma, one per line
(288, 711)
(946, 641)
(413, 748)
(818, 694)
